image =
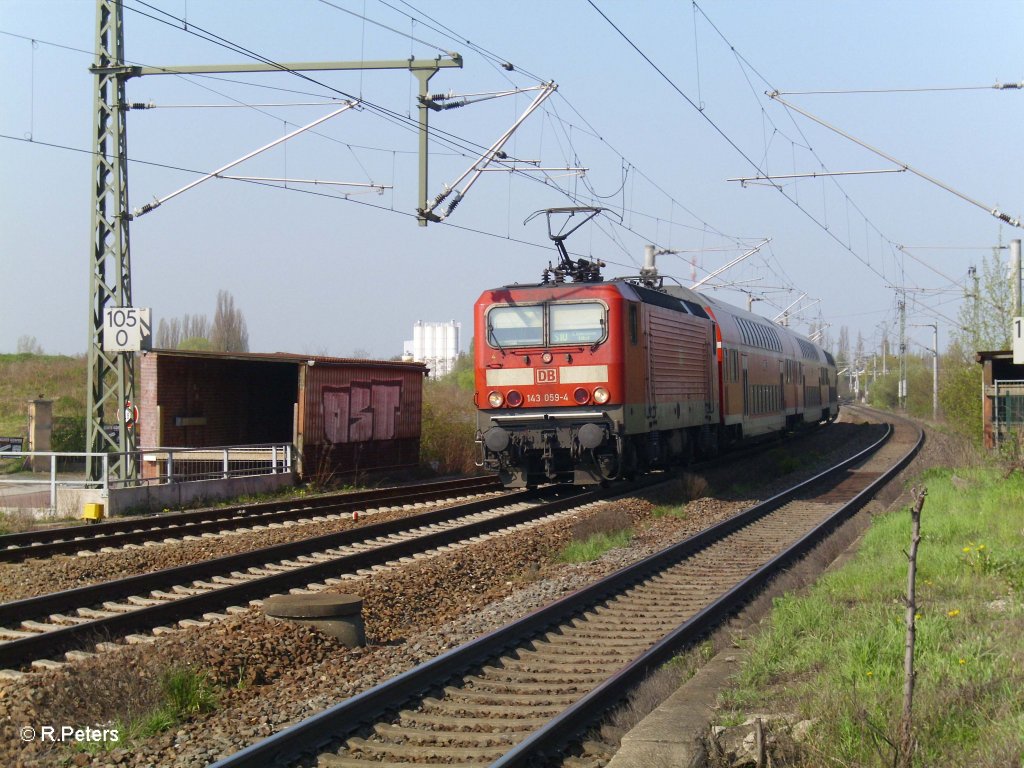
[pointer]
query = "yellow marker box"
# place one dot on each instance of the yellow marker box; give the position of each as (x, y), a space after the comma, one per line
(92, 512)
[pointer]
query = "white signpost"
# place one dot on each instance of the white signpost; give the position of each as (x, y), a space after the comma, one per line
(1018, 340)
(126, 329)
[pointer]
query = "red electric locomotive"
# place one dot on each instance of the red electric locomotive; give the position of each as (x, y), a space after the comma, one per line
(591, 380)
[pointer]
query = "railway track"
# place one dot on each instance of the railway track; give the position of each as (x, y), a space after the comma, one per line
(175, 526)
(38, 630)
(515, 696)
(42, 630)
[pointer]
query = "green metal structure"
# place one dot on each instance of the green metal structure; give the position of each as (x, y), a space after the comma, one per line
(111, 376)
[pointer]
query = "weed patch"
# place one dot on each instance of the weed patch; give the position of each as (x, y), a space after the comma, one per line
(593, 547)
(606, 520)
(836, 653)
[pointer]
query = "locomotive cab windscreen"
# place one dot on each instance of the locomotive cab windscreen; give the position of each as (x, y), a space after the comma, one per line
(517, 326)
(576, 323)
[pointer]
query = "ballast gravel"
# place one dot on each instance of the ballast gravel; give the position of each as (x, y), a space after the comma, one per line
(268, 674)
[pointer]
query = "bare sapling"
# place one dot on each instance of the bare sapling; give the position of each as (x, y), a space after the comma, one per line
(906, 744)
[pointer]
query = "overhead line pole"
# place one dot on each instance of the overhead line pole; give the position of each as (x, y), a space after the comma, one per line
(111, 375)
(423, 69)
(110, 379)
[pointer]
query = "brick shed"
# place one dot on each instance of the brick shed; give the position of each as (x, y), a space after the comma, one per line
(342, 415)
(1002, 397)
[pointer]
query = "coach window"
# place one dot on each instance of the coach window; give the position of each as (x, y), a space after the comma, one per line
(515, 326)
(580, 323)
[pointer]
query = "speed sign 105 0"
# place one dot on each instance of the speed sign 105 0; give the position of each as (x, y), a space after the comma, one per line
(126, 329)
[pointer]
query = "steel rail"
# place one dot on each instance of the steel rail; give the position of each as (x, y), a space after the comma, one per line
(344, 717)
(69, 539)
(583, 712)
(15, 653)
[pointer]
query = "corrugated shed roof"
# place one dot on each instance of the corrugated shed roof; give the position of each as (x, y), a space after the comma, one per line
(287, 357)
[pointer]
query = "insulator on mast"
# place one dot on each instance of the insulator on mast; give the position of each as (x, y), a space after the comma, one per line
(452, 205)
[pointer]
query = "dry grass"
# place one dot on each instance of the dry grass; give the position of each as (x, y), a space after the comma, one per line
(449, 428)
(95, 691)
(679, 490)
(607, 521)
(24, 377)
(17, 521)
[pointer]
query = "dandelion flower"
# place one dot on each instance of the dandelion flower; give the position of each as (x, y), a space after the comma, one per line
(981, 547)
(966, 549)
(963, 661)
(917, 616)
(954, 613)
(870, 673)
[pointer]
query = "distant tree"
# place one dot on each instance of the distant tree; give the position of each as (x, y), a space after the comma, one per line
(195, 327)
(183, 333)
(194, 332)
(843, 348)
(229, 332)
(27, 345)
(359, 353)
(168, 333)
(984, 319)
(195, 344)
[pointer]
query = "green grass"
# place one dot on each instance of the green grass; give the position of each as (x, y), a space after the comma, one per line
(24, 377)
(669, 510)
(594, 546)
(184, 694)
(837, 653)
(783, 461)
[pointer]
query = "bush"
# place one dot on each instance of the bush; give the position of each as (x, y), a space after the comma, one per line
(960, 398)
(448, 438)
(68, 434)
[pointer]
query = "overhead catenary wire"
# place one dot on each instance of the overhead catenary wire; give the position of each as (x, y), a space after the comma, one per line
(494, 58)
(217, 39)
(728, 139)
(931, 89)
(310, 192)
(156, 203)
(994, 211)
(638, 213)
(746, 64)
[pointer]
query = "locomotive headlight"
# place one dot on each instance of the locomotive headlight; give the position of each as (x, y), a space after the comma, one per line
(495, 399)
(601, 396)
(514, 399)
(546, 357)
(581, 396)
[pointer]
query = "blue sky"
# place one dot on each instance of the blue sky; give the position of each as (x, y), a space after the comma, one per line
(316, 273)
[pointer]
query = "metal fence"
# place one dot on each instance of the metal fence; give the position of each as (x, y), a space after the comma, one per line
(34, 478)
(176, 465)
(1007, 411)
